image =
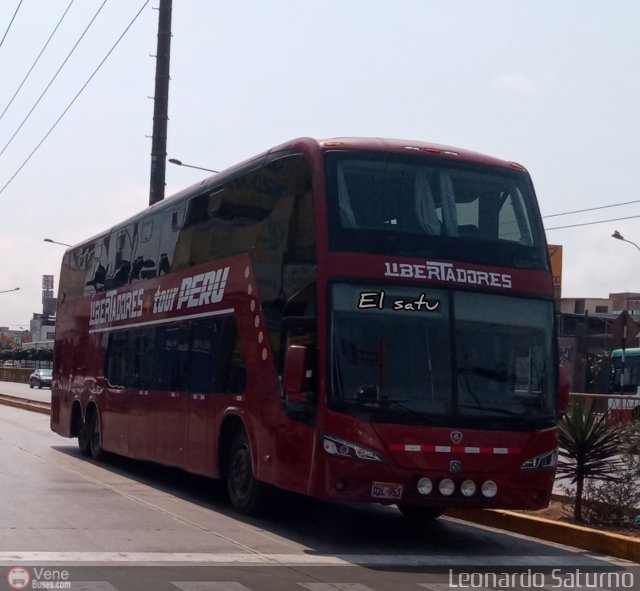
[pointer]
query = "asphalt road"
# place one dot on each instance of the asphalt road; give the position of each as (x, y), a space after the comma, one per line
(24, 391)
(131, 525)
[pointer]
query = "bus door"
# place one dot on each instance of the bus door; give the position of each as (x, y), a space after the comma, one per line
(298, 401)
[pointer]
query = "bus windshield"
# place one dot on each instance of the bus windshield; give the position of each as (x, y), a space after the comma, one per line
(386, 203)
(434, 357)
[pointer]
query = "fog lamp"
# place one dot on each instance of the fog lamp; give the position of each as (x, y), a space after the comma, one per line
(468, 488)
(489, 489)
(425, 486)
(447, 487)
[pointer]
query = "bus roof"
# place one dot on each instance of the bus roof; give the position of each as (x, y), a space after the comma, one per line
(409, 146)
(630, 352)
(310, 145)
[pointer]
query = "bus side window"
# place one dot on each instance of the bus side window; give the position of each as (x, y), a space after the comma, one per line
(97, 268)
(116, 357)
(204, 350)
(173, 356)
(215, 360)
(120, 255)
(299, 329)
(232, 374)
(201, 356)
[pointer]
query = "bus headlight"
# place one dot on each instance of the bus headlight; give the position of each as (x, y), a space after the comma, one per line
(336, 446)
(446, 487)
(546, 460)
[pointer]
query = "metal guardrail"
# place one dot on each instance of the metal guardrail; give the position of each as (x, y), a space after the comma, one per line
(621, 408)
(15, 374)
(605, 401)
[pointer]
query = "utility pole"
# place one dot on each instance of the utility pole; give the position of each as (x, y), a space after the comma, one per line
(161, 104)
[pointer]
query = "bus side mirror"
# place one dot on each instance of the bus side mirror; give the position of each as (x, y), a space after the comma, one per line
(563, 391)
(297, 374)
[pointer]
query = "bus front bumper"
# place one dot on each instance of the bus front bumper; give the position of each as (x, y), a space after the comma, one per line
(373, 482)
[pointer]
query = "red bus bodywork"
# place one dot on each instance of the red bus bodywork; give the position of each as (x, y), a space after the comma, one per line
(194, 430)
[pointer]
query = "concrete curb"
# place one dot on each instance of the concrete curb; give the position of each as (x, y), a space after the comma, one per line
(577, 536)
(568, 534)
(23, 403)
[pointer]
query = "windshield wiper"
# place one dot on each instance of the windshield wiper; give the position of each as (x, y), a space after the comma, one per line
(393, 403)
(501, 376)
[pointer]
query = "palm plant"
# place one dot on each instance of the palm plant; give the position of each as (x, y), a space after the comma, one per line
(589, 448)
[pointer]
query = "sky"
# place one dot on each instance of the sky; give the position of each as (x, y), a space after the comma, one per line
(552, 85)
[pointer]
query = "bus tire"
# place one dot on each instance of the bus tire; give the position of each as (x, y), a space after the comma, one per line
(419, 513)
(245, 492)
(95, 437)
(84, 441)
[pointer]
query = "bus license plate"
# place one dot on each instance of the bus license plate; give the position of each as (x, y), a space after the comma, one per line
(386, 490)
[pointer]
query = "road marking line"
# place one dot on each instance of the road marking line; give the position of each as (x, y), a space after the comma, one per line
(312, 559)
(334, 586)
(211, 586)
(447, 587)
(92, 586)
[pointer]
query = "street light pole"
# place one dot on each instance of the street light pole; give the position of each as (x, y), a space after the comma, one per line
(180, 163)
(10, 290)
(55, 242)
(619, 236)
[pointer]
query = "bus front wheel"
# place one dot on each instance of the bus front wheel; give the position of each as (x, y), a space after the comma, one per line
(245, 492)
(95, 439)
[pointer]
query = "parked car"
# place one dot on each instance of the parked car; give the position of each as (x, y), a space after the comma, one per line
(41, 377)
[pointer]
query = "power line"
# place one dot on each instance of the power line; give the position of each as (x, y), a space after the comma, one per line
(15, 133)
(630, 217)
(37, 60)
(555, 215)
(15, 174)
(11, 23)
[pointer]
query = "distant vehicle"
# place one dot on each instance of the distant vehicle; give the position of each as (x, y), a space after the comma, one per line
(625, 381)
(9, 363)
(40, 378)
(625, 371)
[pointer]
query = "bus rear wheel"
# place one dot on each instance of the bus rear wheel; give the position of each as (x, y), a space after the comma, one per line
(95, 438)
(84, 440)
(420, 514)
(246, 493)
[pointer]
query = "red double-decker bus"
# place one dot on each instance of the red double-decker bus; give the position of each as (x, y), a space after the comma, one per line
(357, 319)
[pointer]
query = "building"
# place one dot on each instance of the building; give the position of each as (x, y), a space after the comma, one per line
(590, 306)
(587, 333)
(629, 301)
(13, 339)
(42, 327)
